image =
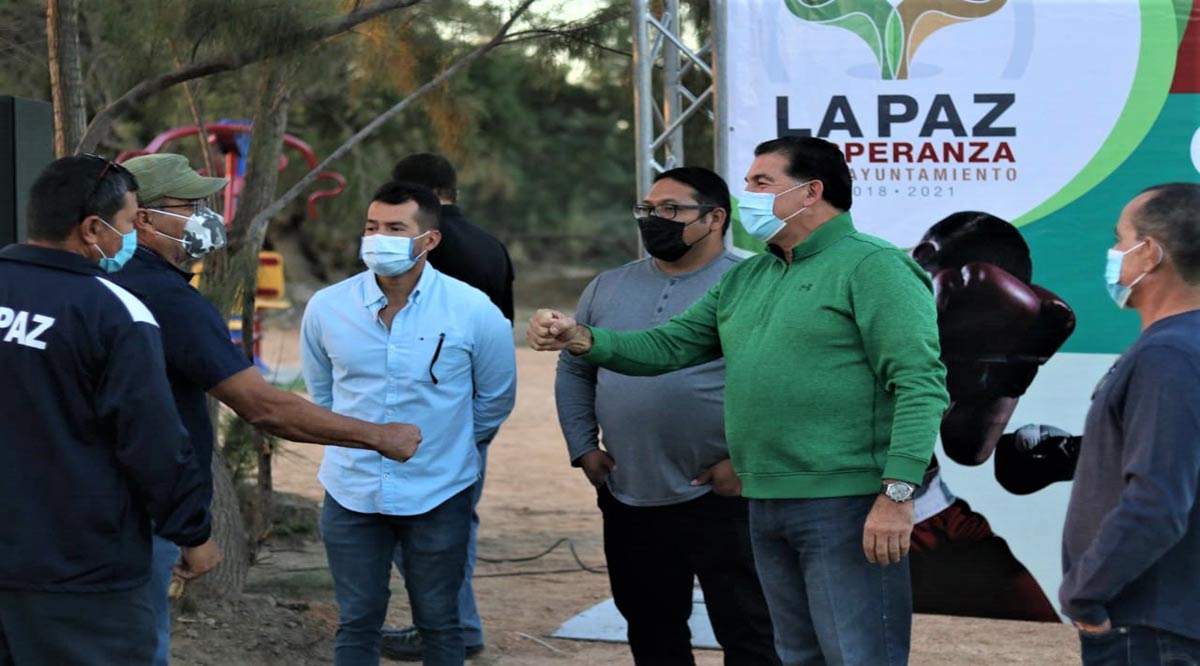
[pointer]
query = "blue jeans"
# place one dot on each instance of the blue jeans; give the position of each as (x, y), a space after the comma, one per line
(361, 548)
(163, 558)
(468, 613)
(1139, 646)
(829, 605)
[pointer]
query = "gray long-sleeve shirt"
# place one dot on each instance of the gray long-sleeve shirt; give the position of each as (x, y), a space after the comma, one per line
(661, 431)
(1131, 544)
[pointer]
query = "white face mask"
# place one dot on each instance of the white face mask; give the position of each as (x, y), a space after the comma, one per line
(203, 232)
(757, 213)
(389, 255)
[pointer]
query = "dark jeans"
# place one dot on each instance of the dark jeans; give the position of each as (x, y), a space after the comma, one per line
(655, 553)
(829, 604)
(361, 548)
(77, 628)
(468, 612)
(1139, 646)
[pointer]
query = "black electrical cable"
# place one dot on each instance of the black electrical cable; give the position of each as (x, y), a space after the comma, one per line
(583, 566)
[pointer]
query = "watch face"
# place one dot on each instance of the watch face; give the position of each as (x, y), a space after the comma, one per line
(898, 492)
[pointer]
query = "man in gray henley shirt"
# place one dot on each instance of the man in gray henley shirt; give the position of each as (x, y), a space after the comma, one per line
(671, 501)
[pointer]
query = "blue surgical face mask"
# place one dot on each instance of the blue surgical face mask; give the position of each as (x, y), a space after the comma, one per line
(757, 213)
(389, 255)
(117, 261)
(1112, 276)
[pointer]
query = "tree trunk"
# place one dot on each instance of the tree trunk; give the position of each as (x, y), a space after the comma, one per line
(234, 272)
(266, 489)
(229, 530)
(66, 74)
(227, 273)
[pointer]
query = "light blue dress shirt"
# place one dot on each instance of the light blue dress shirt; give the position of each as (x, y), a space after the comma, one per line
(447, 366)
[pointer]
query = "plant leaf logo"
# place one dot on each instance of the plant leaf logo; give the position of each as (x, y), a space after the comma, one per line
(893, 33)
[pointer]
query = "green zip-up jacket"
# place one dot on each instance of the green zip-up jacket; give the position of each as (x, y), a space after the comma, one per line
(833, 381)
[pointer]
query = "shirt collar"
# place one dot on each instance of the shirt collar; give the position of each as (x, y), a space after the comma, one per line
(373, 298)
(683, 276)
(155, 260)
(827, 234)
(50, 258)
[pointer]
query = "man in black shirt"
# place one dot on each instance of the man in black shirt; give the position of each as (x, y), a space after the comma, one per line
(468, 253)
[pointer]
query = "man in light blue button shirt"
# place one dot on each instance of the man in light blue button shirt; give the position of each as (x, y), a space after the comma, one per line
(402, 342)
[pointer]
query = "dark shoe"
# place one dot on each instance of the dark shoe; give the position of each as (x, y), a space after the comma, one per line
(404, 644)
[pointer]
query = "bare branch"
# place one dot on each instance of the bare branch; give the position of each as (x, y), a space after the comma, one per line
(534, 35)
(229, 62)
(264, 217)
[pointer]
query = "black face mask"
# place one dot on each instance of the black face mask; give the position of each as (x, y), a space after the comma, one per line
(663, 238)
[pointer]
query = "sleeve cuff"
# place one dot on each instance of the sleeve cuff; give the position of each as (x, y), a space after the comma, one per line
(576, 458)
(903, 468)
(601, 350)
(1093, 614)
(199, 540)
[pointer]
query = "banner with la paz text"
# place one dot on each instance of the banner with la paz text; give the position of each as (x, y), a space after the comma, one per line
(1023, 127)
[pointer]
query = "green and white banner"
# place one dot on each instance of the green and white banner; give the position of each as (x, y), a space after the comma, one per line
(1050, 115)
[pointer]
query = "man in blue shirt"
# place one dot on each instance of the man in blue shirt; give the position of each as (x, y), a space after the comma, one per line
(1131, 542)
(92, 449)
(467, 252)
(403, 342)
(175, 226)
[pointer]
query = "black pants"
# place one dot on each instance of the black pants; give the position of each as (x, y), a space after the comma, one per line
(76, 628)
(653, 555)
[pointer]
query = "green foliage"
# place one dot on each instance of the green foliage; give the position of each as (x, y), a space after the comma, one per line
(237, 445)
(541, 130)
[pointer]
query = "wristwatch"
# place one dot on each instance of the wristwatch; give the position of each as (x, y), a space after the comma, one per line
(898, 491)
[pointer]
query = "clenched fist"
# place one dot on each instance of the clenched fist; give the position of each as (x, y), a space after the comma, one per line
(551, 330)
(398, 441)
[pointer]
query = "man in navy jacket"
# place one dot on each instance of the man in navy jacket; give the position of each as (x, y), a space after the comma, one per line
(92, 448)
(1131, 543)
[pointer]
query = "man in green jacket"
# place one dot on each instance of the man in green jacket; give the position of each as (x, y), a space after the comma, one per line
(833, 398)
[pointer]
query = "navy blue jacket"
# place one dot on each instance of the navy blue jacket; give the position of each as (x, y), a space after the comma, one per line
(195, 340)
(1131, 545)
(91, 447)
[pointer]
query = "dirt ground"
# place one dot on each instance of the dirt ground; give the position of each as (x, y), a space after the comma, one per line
(532, 499)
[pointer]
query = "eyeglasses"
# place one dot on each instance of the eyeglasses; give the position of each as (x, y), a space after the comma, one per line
(666, 211)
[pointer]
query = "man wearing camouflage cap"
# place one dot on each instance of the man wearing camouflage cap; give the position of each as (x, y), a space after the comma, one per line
(175, 226)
